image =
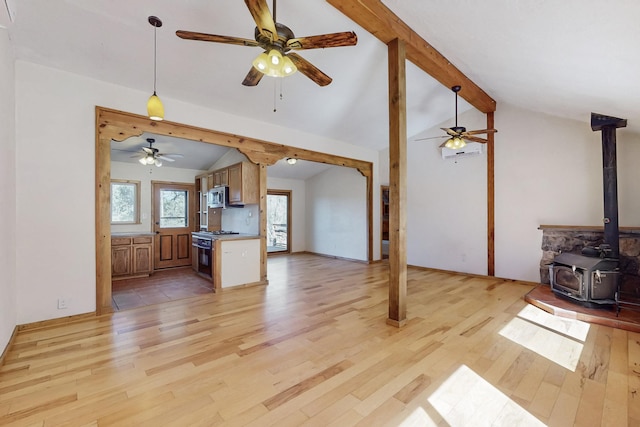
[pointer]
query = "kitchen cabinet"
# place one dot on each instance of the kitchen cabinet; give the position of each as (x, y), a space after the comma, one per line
(210, 181)
(215, 219)
(243, 183)
(221, 177)
(237, 261)
(131, 255)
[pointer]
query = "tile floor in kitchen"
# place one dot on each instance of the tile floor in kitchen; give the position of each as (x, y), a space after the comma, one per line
(162, 286)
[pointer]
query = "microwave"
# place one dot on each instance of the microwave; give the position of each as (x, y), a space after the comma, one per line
(218, 197)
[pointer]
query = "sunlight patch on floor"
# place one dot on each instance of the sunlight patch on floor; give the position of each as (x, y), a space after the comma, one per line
(466, 399)
(558, 339)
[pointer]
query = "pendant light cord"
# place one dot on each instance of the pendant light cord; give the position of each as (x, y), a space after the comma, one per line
(155, 56)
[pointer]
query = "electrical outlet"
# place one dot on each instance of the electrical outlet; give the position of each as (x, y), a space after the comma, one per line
(62, 303)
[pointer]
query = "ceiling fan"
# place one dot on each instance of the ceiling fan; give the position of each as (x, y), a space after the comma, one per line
(277, 40)
(458, 134)
(152, 156)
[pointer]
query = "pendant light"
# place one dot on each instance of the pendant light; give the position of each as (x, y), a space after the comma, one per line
(155, 109)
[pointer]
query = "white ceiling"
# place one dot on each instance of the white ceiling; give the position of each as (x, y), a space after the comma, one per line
(565, 58)
(201, 156)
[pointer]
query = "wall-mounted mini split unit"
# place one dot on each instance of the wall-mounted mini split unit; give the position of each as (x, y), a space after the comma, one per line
(469, 150)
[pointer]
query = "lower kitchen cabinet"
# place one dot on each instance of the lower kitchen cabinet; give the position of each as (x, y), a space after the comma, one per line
(131, 255)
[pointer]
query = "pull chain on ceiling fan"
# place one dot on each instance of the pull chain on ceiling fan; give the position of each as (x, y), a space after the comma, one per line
(458, 134)
(278, 43)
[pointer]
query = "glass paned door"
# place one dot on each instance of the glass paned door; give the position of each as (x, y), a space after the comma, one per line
(278, 221)
(173, 214)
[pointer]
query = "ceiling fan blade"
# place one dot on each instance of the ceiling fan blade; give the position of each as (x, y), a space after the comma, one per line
(264, 21)
(190, 35)
(164, 157)
(139, 155)
(432, 137)
(147, 150)
(450, 132)
(475, 139)
(253, 77)
(309, 70)
(347, 38)
(480, 131)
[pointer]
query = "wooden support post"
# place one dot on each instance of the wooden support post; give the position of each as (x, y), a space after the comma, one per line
(263, 221)
(491, 207)
(397, 184)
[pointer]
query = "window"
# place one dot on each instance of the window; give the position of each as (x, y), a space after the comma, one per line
(125, 202)
(173, 208)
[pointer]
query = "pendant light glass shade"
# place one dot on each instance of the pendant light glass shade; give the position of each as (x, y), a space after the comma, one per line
(155, 109)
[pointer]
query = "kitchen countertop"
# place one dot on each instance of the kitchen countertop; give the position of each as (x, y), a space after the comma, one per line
(240, 236)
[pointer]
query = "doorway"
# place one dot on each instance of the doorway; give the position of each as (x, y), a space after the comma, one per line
(172, 206)
(384, 221)
(279, 221)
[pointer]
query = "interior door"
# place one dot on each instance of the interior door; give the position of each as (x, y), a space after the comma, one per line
(278, 221)
(173, 206)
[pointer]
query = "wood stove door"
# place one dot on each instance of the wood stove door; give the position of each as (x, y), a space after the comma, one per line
(566, 280)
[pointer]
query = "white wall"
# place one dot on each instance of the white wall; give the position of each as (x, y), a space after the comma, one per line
(146, 174)
(55, 178)
(446, 205)
(549, 171)
(337, 213)
(298, 209)
(8, 312)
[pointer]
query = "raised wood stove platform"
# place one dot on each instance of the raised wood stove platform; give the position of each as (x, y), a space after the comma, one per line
(542, 297)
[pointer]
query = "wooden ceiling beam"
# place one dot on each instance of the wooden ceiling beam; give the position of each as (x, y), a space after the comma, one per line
(379, 20)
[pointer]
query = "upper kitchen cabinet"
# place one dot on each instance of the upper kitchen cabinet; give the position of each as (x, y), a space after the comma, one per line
(221, 177)
(244, 188)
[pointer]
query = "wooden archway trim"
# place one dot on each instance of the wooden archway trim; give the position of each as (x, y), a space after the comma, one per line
(118, 125)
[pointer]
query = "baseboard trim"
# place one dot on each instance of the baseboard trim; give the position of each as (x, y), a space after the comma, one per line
(9, 345)
(56, 322)
(332, 256)
(480, 276)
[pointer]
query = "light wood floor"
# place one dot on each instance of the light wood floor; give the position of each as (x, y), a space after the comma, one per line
(313, 348)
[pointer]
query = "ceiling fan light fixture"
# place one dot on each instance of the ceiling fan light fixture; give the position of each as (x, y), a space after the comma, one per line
(143, 161)
(158, 162)
(149, 160)
(455, 143)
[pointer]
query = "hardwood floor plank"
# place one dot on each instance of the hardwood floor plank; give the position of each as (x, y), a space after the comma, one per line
(313, 348)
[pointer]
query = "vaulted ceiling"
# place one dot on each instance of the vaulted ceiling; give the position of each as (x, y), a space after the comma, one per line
(564, 58)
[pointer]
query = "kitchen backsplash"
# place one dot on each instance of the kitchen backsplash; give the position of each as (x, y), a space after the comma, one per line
(243, 220)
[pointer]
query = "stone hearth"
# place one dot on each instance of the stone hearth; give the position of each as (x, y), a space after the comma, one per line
(556, 239)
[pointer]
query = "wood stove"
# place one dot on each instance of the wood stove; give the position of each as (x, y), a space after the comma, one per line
(589, 280)
(592, 278)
